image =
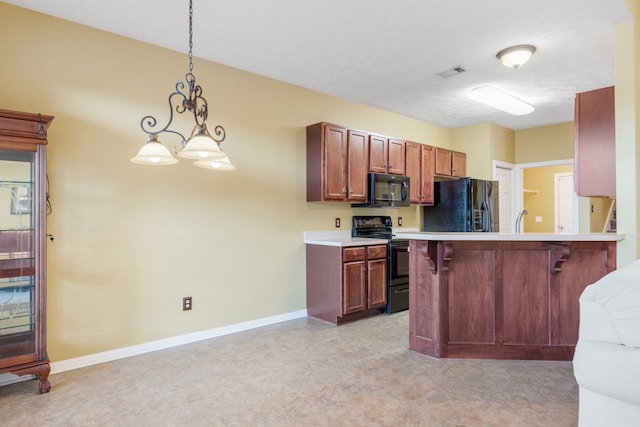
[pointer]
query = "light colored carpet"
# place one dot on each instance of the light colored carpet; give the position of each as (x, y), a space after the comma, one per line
(301, 373)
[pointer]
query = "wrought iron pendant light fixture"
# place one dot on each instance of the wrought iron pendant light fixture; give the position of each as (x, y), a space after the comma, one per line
(201, 146)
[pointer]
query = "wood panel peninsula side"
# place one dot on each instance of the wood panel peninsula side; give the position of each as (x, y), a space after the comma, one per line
(501, 296)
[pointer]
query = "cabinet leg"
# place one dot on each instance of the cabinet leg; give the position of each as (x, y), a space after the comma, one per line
(40, 371)
(43, 376)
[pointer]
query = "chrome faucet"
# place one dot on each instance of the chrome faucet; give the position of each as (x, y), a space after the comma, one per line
(519, 218)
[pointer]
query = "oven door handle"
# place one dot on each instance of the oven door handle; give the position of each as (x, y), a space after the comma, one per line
(400, 247)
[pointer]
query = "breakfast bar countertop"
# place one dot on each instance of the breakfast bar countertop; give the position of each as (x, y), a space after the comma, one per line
(519, 237)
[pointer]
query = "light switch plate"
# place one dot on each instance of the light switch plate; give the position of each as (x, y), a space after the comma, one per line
(538, 219)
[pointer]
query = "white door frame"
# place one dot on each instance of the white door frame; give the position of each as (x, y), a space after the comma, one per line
(518, 186)
(510, 166)
(556, 176)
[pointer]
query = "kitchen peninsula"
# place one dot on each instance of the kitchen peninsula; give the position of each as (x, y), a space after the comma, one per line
(501, 296)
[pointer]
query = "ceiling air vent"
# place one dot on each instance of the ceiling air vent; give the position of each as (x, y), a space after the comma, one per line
(452, 72)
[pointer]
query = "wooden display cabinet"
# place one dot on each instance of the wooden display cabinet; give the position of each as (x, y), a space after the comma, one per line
(22, 245)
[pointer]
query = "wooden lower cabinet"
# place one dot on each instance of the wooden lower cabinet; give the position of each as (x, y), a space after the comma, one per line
(501, 300)
(346, 283)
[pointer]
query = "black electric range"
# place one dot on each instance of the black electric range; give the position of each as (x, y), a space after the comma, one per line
(381, 227)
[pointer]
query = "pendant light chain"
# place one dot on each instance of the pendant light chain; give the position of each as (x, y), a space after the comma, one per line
(190, 36)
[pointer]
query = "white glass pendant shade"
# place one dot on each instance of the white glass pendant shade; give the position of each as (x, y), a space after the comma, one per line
(515, 56)
(154, 153)
(223, 164)
(201, 146)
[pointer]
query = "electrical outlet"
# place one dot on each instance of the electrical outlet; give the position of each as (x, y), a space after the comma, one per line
(538, 219)
(186, 303)
(399, 221)
(337, 222)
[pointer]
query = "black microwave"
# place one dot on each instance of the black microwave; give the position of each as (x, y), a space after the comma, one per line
(386, 191)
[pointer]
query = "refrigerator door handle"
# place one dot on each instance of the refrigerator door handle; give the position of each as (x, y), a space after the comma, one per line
(486, 217)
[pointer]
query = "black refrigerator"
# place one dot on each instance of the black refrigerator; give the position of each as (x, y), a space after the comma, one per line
(463, 205)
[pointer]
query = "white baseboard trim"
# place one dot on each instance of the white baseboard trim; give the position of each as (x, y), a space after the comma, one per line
(121, 353)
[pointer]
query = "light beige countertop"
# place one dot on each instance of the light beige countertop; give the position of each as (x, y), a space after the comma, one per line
(338, 238)
(521, 237)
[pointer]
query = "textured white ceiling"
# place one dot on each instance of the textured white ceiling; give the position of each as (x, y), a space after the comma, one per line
(387, 53)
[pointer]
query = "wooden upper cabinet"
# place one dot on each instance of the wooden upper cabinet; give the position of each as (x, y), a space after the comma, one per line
(443, 162)
(413, 170)
(428, 156)
(378, 153)
(450, 163)
(396, 157)
(458, 164)
(339, 161)
(419, 167)
(386, 155)
(594, 139)
(357, 157)
(336, 163)
(326, 162)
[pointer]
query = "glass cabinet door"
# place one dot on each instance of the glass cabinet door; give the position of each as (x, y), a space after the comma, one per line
(17, 254)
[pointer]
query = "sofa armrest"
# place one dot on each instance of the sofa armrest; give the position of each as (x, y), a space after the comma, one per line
(610, 308)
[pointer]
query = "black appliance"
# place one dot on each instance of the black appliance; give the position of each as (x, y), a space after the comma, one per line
(463, 205)
(381, 227)
(386, 191)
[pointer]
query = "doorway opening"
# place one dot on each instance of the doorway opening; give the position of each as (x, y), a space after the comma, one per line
(532, 186)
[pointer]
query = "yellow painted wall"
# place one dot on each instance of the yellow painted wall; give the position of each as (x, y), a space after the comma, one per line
(131, 241)
(503, 146)
(544, 143)
(627, 98)
(599, 213)
(484, 143)
(542, 203)
(475, 141)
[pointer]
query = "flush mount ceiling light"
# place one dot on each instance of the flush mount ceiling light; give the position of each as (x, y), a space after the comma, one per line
(201, 145)
(501, 100)
(515, 56)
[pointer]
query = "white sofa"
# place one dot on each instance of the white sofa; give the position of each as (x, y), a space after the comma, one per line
(606, 363)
